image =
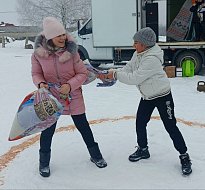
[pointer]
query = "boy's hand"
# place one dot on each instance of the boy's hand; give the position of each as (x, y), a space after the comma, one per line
(109, 75)
(102, 76)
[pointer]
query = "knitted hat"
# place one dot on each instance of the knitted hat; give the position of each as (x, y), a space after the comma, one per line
(52, 28)
(145, 36)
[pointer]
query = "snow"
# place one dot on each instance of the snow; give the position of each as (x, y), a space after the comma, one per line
(111, 112)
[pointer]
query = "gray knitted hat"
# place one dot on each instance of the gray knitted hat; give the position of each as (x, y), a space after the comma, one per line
(145, 36)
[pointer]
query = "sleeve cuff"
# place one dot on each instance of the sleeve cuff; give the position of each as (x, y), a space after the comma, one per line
(114, 75)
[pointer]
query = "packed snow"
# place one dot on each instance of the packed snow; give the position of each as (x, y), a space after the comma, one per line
(111, 113)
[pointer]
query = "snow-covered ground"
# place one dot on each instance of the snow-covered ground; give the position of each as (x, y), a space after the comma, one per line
(111, 112)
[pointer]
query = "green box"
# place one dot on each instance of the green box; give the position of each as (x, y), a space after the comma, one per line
(187, 68)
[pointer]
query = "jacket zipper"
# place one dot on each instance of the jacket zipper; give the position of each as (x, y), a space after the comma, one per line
(56, 68)
(57, 74)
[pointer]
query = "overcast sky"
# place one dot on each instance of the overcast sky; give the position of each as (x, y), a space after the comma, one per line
(8, 12)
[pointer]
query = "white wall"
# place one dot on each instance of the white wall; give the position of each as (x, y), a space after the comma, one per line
(162, 16)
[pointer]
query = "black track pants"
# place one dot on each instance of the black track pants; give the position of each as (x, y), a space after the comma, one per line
(165, 106)
(81, 124)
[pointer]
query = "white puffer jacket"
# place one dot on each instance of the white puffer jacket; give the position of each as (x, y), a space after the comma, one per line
(146, 72)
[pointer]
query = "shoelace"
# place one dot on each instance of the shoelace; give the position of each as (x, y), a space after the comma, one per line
(185, 161)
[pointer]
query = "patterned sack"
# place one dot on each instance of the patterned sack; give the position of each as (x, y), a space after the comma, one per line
(44, 106)
(92, 75)
(38, 111)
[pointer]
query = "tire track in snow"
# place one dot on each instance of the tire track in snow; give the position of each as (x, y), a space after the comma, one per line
(8, 157)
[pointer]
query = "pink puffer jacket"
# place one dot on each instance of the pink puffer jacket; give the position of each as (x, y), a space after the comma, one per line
(51, 70)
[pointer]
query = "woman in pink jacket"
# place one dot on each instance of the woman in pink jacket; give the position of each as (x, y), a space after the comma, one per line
(56, 65)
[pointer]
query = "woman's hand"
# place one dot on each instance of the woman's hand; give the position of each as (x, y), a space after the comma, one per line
(65, 89)
(43, 85)
(109, 75)
(102, 76)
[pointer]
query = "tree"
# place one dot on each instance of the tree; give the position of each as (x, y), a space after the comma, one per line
(32, 12)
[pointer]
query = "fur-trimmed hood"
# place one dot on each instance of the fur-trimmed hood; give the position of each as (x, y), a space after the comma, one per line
(42, 49)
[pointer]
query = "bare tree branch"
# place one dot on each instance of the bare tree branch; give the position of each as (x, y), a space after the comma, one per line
(32, 12)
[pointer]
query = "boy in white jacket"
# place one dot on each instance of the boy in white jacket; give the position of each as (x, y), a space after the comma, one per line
(146, 72)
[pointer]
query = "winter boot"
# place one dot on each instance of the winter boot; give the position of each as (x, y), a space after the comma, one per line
(140, 153)
(96, 156)
(186, 164)
(44, 161)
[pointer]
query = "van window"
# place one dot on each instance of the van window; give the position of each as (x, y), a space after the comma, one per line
(87, 29)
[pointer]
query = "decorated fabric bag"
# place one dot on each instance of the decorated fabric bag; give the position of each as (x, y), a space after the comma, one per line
(38, 111)
(92, 75)
(44, 105)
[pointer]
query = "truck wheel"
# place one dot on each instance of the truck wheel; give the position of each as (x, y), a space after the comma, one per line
(82, 57)
(193, 57)
(94, 64)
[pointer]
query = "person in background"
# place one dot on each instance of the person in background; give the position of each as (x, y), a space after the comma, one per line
(201, 13)
(146, 72)
(196, 22)
(52, 63)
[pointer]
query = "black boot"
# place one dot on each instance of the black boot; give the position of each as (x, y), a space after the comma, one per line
(186, 164)
(96, 156)
(44, 161)
(140, 153)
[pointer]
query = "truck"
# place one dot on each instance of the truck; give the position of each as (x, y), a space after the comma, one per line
(107, 36)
